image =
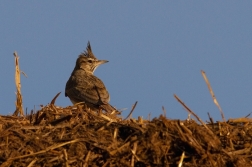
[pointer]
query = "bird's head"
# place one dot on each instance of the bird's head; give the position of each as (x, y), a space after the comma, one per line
(87, 60)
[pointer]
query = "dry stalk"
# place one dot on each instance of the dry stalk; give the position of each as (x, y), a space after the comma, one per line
(164, 111)
(32, 162)
(86, 159)
(54, 99)
(212, 94)
(133, 107)
(181, 159)
(48, 149)
(18, 103)
(190, 111)
(134, 154)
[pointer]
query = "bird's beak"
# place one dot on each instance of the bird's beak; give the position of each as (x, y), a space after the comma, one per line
(99, 62)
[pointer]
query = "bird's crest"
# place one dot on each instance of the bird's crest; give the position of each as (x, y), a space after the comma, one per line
(88, 52)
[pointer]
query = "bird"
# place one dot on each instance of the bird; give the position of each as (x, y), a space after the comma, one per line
(84, 86)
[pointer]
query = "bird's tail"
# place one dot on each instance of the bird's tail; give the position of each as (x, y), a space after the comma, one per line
(108, 108)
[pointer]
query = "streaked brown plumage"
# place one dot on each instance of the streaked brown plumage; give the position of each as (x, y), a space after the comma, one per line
(83, 86)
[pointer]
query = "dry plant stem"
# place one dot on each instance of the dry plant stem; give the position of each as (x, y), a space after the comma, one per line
(164, 111)
(134, 154)
(190, 111)
(86, 159)
(105, 164)
(133, 107)
(188, 136)
(48, 149)
(65, 157)
(19, 103)
(140, 120)
(181, 159)
(240, 152)
(120, 148)
(248, 115)
(212, 94)
(210, 118)
(56, 158)
(240, 120)
(149, 116)
(54, 99)
(115, 133)
(210, 158)
(32, 162)
(6, 163)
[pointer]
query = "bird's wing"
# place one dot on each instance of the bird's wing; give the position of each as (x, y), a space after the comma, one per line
(88, 89)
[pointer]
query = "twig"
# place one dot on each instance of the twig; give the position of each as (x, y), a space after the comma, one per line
(133, 107)
(54, 99)
(190, 111)
(134, 154)
(248, 115)
(47, 149)
(86, 159)
(19, 103)
(210, 118)
(164, 111)
(32, 162)
(181, 159)
(212, 94)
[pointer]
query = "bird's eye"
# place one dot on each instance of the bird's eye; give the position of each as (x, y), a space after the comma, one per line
(90, 61)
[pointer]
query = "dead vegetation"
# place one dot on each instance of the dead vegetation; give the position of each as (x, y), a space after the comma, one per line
(77, 136)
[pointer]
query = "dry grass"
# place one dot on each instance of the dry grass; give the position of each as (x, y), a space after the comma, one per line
(78, 136)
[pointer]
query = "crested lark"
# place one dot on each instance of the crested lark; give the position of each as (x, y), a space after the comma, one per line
(83, 86)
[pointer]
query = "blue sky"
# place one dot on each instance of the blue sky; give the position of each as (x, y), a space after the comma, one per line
(155, 49)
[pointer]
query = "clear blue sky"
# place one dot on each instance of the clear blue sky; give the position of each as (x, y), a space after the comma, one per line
(155, 49)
